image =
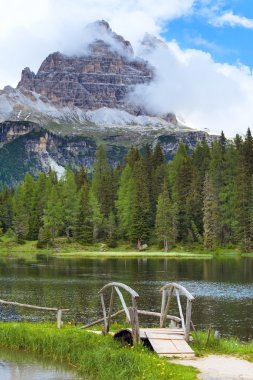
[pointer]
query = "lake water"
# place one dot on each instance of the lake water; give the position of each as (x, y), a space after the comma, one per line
(22, 366)
(223, 288)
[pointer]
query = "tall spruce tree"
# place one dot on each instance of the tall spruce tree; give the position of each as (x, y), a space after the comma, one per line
(124, 202)
(180, 179)
(102, 182)
(20, 215)
(166, 219)
(29, 193)
(84, 223)
(69, 202)
(53, 213)
(210, 214)
(141, 226)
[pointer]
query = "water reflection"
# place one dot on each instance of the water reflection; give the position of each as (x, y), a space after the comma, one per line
(223, 287)
(21, 366)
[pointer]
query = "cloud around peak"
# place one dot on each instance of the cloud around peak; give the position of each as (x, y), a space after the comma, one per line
(189, 82)
(205, 93)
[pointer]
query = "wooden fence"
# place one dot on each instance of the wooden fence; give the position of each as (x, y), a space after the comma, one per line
(58, 311)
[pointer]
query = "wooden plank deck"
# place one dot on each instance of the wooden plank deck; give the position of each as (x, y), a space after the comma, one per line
(165, 341)
(169, 342)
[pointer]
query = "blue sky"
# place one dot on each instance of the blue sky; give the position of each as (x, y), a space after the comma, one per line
(230, 42)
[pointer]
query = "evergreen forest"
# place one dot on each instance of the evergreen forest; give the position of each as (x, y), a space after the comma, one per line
(203, 198)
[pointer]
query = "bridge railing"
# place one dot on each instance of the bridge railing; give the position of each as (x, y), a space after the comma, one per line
(168, 291)
(131, 312)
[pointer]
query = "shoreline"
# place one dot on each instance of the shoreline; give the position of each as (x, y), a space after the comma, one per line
(92, 356)
(65, 249)
(99, 357)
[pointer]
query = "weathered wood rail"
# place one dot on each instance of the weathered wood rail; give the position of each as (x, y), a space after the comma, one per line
(57, 310)
(175, 337)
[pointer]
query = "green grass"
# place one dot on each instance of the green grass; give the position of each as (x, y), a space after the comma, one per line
(225, 346)
(64, 248)
(93, 356)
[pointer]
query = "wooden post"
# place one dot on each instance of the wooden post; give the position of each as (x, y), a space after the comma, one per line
(133, 311)
(162, 307)
(166, 308)
(110, 310)
(104, 330)
(59, 316)
(123, 303)
(135, 325)
(180, 309)
(188, 320)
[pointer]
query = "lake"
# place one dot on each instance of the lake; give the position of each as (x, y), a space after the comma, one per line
(222, 287)
(17, 365)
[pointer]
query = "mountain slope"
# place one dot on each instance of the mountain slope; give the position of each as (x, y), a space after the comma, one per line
(27, 147)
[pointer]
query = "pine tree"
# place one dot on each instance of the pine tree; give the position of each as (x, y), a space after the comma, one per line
(41, 193)
(210, 214)
(248, 152)
(69, 202)
(223, 143)
(227, 195)
(132, 157)
(180, 179)
(20, 215)
(6, 209)
(148, 177)
(29, 191)
(141, 226)
(166, 220)
(102, 182)
(81, 178)
(97, 217)
(44, 237)
(111, 231)
(158, 156)
(53, 213)
(84, 225)
(243, 193)
(124, 202)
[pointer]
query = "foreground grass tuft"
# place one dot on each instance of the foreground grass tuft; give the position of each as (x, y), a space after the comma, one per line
(93, 356)
(203, 345)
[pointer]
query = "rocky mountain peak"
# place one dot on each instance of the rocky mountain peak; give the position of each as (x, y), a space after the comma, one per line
(27, 78)
(102, 40)
(102, 77)
(150, 43)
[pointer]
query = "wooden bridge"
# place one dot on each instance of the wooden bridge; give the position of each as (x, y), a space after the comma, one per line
(165, 341)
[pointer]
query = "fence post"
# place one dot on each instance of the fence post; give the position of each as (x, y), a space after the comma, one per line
(59, 317)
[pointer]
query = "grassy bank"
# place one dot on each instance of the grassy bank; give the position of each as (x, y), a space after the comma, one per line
(202, 345)
(91, 355)
(64, 248)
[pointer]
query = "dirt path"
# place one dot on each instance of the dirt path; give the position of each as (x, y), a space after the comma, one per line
(216, 367)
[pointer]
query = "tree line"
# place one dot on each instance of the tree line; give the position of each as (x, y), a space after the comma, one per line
(204, 197)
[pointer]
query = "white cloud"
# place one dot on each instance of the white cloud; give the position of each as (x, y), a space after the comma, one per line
(229, 18)
(30, 30)
(205, 93)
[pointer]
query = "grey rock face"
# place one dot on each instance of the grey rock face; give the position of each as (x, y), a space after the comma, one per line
(10, 130)
(102, 77)
(27, 147)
